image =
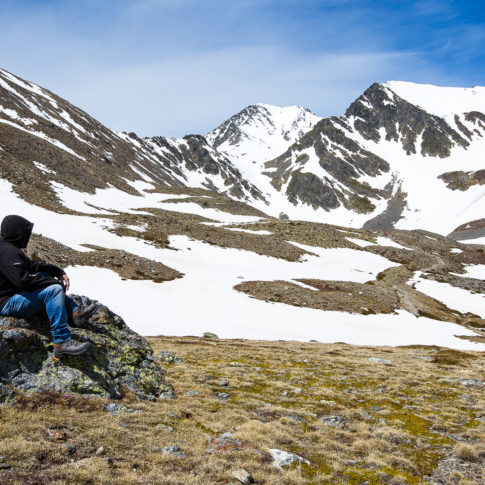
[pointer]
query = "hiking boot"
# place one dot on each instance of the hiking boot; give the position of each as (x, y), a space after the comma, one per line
(81, 316)
(70, 347)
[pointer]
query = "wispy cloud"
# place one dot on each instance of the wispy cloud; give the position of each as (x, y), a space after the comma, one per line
(177, 66)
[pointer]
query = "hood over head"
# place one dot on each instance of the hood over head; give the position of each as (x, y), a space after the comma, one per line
(16, 230)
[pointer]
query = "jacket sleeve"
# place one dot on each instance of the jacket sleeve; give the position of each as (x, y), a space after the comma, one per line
(50, 269)
(21, 277)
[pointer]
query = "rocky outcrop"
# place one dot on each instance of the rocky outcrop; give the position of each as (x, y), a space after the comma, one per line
(460, 180)
(119, 361)
(380, 108)
(470, 230)
(343, 161)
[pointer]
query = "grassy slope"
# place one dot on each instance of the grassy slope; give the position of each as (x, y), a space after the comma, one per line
(402, 419)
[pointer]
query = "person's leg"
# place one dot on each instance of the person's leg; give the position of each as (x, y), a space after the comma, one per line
(55, 306)
(28, 303)
(71, 306)
(23, 305)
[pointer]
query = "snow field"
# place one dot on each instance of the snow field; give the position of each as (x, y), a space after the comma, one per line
(204, 299)
(453, 297)
(430, 204)
(431, 98)
(201, 303)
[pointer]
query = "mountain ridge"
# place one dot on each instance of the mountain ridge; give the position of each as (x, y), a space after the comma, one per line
(358, 169)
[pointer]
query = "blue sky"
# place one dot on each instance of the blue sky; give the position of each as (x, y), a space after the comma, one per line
(173, 67)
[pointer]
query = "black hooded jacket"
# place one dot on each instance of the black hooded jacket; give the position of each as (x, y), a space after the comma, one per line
(17, 271)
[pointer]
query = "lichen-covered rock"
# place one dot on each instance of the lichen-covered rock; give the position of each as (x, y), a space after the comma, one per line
(118, 361)
(169, 357)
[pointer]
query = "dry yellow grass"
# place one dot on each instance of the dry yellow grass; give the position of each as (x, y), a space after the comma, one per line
(403, 421)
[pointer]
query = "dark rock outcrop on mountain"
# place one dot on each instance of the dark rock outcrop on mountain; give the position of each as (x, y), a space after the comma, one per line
(460, 180)
(470, 230)
(118, 362)
(392, 213)
(379, 108)
(45, 139)
(197, 156)
(346, 166)
(343, 160)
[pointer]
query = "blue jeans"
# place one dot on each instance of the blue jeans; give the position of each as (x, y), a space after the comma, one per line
(56, 304)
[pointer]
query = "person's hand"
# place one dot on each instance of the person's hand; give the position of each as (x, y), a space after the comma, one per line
(65, 281)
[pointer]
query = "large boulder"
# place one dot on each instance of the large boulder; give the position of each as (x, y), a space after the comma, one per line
(119, 361)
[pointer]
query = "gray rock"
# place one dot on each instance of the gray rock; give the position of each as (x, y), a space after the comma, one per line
(378, 360)
(169, 357)
(192, 393)
(243, 476)
(173, 450)
(168, 429)
(333, 420)
(100, 451)
(114, 408)
(118, 358)
(71, 449)
(428, 358)
(223, 395)
(210, 335)
(205, 378)
(174, 416)
(327, 403)
(471, 382)
(223, 382)
(285, 458)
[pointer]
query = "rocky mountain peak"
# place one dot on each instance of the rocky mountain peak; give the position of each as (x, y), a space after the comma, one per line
(381, 112)
(263, 124)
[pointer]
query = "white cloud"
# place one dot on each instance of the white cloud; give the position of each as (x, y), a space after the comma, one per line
(176, 95)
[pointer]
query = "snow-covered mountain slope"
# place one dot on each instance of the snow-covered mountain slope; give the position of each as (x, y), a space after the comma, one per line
(258, 133)
(45, 139)
(440, 101)
(389, 162)
(403, 155)
(261, 132)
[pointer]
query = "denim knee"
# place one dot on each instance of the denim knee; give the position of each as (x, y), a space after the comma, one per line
(55, 290)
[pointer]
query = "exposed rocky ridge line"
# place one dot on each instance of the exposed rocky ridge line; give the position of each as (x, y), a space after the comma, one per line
(343, 161)
(380, 108)
(127, 265)
(433, 256)
(350, 170)
(45, 139)
(118, 363)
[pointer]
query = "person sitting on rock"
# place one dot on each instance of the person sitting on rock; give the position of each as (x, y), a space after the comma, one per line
(28, 287)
